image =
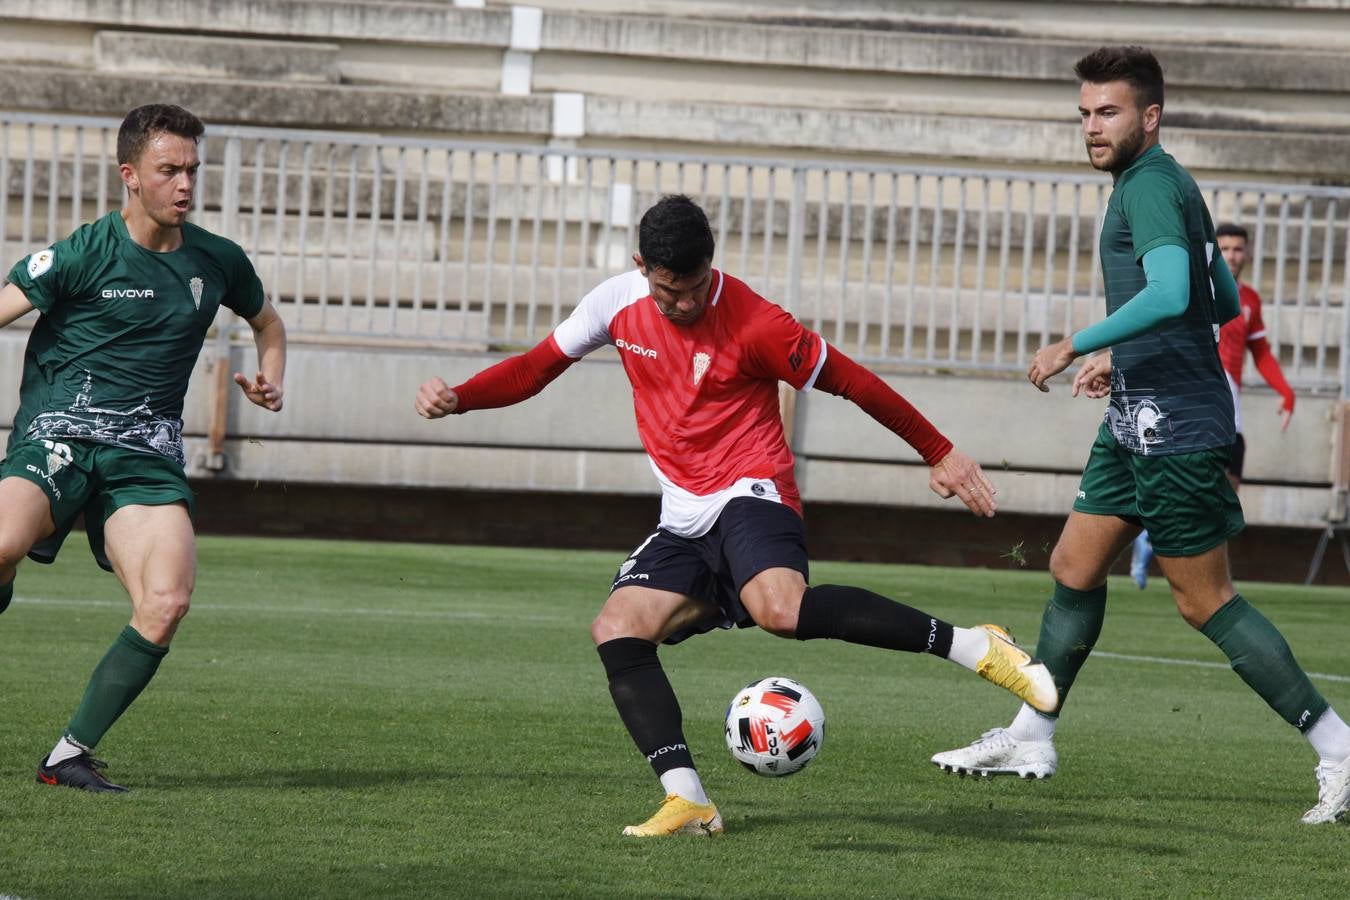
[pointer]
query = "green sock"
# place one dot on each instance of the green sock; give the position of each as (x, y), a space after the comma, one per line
(119, 677)
(1262, 658)
(1070, 627)
(6, 595)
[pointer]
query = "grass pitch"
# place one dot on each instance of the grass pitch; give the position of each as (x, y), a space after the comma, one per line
(383, 720)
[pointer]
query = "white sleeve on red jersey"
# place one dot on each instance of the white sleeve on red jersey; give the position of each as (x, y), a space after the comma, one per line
(587, 328)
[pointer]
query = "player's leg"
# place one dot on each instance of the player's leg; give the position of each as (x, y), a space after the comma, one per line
(633, 621)
(1093, 536)
(25, 518)
(761, 548)
(147, 537)
(1191, 525)
(780, 602)
(1262, 658)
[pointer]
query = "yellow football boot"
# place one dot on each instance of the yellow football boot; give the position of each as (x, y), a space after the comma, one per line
(679, 816)
(1011, 668)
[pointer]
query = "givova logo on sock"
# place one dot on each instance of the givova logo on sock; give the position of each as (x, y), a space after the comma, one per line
(669, 748)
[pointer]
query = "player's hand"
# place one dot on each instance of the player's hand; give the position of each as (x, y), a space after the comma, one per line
(959, 475)
(1050, 361)
(1286, 413)
(435, 399)
(261, 391)
(1094, 378)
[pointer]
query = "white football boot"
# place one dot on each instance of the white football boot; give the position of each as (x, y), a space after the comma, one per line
(998, 753)
(1333, 794)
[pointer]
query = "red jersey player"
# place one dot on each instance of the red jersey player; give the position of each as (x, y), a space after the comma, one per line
(1246, 332)
(704, 354)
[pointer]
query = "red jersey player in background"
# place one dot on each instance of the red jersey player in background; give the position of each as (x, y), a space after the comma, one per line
(704, 354)
(1247, 332)
(1236, 337)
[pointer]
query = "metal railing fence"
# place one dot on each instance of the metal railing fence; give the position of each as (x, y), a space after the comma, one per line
(368, 237)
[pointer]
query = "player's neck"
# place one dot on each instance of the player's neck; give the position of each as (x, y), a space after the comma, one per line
(149, 233)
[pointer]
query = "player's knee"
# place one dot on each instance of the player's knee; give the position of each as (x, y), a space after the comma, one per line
(777, 614)
(169, 605)
(612, 624)
(1061, 567)
(1194, 613)
(11, 554)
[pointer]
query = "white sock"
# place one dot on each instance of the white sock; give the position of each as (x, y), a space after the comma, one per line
(969, 646)
(1330, 737)
(684, 783)
(1032, 725)
(65, 749)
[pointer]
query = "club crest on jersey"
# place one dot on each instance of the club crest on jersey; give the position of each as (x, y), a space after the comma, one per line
(195, 285)
(39, 263)
(701, 363)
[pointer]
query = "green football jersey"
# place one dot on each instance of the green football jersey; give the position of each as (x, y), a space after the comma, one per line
(120, 331)
(1169, 393)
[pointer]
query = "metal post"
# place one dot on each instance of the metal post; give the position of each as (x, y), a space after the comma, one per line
(219, 367)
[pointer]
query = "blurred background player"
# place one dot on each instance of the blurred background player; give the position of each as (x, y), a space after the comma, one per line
(705, 355)
(1159, 456)
(1236, 337)
(126, 302)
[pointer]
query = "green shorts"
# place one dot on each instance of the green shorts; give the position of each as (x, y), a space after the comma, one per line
(96, 479)
(1184, 500)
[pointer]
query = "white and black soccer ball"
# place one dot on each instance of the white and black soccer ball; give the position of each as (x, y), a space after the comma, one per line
(775, 726)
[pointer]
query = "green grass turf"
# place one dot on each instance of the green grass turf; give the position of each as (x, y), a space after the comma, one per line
(384, 720)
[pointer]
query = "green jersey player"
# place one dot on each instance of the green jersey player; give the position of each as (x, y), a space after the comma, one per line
(1159, 458)
(125, 305)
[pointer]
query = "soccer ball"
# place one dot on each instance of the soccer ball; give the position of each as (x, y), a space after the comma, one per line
(775, 726)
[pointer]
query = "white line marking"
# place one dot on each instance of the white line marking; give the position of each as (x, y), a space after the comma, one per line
(1162, 660)
(316, 610)
(534, 617)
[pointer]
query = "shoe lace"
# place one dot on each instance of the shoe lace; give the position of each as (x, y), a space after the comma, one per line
(994, 736)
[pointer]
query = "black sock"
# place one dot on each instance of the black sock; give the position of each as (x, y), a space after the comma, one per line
(861, 617)
(646, 702)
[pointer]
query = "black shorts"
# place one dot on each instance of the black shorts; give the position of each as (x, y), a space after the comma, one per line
(1235, 458)
(749, 536)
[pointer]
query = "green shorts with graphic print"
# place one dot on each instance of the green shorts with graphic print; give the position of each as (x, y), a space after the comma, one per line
(1184, 500)
(96, 479)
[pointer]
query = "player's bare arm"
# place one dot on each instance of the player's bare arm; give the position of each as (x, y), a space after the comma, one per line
(14, 304)
(959, 475)
(435, 399)
(1094, 378)
(1050, 361)
(269, 335)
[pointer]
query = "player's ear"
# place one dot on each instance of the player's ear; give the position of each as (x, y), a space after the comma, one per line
(129, 178)
(1152, 117)
(641, 266)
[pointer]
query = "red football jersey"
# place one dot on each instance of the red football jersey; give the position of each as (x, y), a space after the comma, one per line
(705, 395)
(1236, 333)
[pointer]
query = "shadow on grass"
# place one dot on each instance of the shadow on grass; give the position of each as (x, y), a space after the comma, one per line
(339, 778)
(984, 826)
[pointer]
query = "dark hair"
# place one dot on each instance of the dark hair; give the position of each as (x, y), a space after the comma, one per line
(1229, 229)
(143, 122)
(1136, 65)
(674, 235)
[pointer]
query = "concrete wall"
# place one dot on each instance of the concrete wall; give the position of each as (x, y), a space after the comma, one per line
(349, 419)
